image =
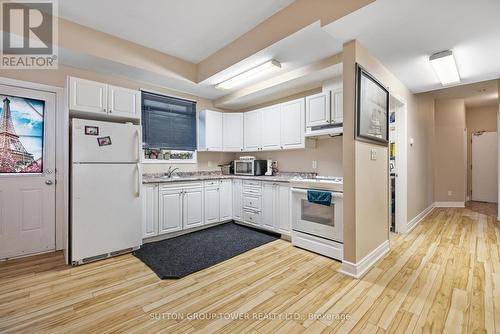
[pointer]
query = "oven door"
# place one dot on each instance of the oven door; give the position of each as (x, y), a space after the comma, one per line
(315, 219)
(244, 167)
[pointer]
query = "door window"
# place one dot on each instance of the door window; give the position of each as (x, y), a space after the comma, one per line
(21, 135)
(316, 213)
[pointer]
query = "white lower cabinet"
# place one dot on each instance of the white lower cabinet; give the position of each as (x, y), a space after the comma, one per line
(181, 206)
(212, 204)
(170, 210)
(193, 207)
(226, 200)
(237, 199)
(149, 210)
(276, 207)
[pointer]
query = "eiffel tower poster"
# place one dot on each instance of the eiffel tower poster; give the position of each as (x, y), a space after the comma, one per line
(21, 135)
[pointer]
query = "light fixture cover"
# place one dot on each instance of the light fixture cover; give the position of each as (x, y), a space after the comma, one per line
(250, 74)
(445, 67)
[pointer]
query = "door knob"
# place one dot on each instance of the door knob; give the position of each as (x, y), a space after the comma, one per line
(48, 182)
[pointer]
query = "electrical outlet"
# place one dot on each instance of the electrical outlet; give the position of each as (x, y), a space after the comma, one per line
(450, 193)
(373, 154)
(314, 164)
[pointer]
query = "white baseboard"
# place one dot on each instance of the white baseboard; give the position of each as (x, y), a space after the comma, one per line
(449, 204)
(357, 270)
(418, 218)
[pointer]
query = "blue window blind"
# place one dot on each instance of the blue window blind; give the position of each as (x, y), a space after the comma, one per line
(168, 123)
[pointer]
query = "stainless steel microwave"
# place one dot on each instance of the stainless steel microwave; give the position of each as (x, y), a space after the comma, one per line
(250, 167)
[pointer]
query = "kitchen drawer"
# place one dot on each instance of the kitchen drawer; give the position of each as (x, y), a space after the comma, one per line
(179, 185)
(252, 191)
(211, 183)
(252, 202)
(252, 217)
(252, 183)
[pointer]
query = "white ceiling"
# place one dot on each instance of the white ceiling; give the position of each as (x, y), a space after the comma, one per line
(189, 29)
(402, 34)
(479, 94)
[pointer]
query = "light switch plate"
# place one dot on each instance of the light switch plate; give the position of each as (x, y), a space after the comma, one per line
(314, 164)
(373, 154)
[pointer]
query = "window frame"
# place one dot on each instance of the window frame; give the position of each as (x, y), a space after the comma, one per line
(194, 159)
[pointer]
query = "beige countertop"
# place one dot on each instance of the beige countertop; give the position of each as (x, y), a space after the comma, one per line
(183, 178)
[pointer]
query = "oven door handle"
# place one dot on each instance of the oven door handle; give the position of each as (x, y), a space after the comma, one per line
(304, 191)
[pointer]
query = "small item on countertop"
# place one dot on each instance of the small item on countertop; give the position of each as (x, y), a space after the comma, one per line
(319, 197)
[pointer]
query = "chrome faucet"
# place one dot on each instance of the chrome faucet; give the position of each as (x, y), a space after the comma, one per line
(170, 171)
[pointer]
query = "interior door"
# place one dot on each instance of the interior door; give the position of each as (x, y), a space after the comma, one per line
(484, 167)
(27, 171)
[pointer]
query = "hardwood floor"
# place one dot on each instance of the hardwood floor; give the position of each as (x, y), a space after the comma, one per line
(442, 277)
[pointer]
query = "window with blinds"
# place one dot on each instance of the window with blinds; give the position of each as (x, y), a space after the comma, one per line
(168, 127)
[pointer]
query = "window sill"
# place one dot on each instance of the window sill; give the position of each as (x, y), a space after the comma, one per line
(171, 162)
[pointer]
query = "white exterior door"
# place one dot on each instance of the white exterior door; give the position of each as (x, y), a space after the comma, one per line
(292, 124)
(193, 207)
(211, 205)
(170, 210)
(27, 172)
(271, 124)
(484, 167)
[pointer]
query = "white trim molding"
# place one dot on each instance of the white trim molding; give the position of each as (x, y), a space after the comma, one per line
(357, 270)
(449, 204)
(418, 218)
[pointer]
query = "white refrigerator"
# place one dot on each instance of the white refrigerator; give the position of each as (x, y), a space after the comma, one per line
(106, 180)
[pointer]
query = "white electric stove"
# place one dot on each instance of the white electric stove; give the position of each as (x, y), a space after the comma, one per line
(317, 227)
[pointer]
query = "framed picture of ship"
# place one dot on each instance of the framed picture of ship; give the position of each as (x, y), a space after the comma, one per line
(372, 108)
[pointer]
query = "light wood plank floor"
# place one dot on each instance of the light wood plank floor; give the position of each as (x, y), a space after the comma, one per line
(442, 277)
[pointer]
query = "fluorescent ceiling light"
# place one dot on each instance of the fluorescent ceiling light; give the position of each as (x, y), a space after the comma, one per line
(445, 67)
(267, 67)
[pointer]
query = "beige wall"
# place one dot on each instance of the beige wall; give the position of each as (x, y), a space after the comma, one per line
(366, 220)
(206, 160)
(478, 119)
(327, 153)
(366, 202)
(450, 151)
(420, 187)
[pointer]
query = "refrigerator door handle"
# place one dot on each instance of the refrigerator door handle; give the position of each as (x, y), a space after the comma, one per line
(138, 193)
(137, 136)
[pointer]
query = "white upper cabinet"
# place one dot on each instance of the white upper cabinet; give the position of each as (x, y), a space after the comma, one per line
(87, 96)
(91, 97)
(293, 124)
(337, 106)
(318, 109)
(232, 132)
(271, 128)
(252, 121)
(124, 102)
(210, 131)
